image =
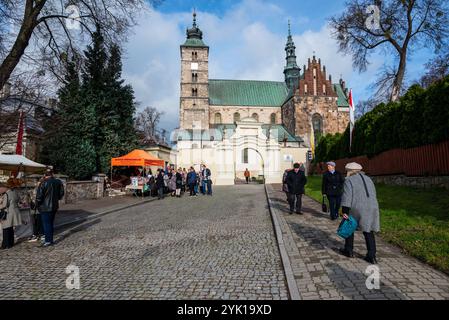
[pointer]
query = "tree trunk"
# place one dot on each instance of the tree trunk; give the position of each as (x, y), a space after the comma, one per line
(23, 38)
(399, 78)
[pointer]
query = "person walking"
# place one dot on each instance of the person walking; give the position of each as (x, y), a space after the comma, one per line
(359, 200)
(49, 193)
(296, 181)
(172, 183)
(160, 184)
(247, 175)
(332, 188)
(9, 204)
(178, 183)
(201, 182)
(184, 180)
(192, 178)
(35, 218)
(207, 182)
(284, 183)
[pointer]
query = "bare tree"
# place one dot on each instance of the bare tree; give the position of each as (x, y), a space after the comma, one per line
(437, 68)
(147, 121)
(58, 27)
(397, 27)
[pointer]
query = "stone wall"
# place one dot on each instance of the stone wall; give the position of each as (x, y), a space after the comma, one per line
(419, 182)
(227, 113)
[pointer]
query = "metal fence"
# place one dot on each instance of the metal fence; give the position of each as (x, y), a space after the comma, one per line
(428, 160)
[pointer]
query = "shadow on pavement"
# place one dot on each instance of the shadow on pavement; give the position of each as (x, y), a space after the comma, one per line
(347, 282)
(82, 226)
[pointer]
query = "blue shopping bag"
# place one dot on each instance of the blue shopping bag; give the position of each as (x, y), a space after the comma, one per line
(347, 227)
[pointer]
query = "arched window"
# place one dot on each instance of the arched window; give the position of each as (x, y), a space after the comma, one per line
(255, 116)
(218, 118)
(273, 118)
(194, 77)
(236, 117)
(317, 124)
(194, 92)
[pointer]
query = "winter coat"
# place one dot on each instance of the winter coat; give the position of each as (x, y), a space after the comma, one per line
(172, 183)
(296, 182)
(284, 181)
(192, 177)
(332, 184)
(160, 181)
(10, 201)
(49, 193)
(178, 180)
(364, 208)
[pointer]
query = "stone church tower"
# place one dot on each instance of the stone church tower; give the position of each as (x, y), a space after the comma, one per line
(194, 100)
(291, 70)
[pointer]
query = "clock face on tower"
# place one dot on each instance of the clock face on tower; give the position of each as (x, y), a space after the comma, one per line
(194, 66)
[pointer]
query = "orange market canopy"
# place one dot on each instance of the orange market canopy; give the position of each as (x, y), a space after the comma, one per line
(137, 158)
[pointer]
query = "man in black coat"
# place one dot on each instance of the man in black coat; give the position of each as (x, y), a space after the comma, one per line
(296, 180)
(332, 188)
(160, 184)
(48, 195)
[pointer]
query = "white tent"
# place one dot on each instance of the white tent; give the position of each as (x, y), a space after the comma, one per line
(20, 163)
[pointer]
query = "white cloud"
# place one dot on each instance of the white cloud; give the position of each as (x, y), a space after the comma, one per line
(242, 46)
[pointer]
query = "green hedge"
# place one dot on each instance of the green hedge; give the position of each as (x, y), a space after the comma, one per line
(420, 117)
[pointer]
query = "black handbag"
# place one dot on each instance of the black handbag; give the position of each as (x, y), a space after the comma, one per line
(324, 205)
(4, 211)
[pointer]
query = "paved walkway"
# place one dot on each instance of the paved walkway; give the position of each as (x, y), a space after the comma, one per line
(321, 273)
(220, 247)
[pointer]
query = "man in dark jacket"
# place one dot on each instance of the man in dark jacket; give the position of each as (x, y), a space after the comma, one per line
(295, 180)
(160, 184)
(48, 195)
(332, 188)
(192, 179)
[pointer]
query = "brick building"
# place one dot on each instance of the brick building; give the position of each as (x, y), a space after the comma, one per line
(294, 113)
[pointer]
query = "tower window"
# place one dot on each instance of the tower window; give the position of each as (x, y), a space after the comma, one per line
(317, 125)
(273, 118)
(194, 92)
(194, 55)
(236, 117)
(305, 88)
(194, 77)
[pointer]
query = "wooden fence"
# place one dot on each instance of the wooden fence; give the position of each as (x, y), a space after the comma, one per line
(428, 160)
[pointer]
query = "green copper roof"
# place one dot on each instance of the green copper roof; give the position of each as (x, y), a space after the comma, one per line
(247, 93)
(342, 100)
(193, 42)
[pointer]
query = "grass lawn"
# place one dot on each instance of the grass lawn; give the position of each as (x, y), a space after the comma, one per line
(417, 220)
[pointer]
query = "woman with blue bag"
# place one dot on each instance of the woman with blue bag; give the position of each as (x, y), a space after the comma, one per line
(360, 211)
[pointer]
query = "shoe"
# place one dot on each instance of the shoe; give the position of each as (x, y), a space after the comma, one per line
(47, 244)
(346, 253)
(34, 239)
(300, 213)
(370, 260)
(291, 212)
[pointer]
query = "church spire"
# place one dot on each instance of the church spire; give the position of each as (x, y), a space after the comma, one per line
(194, 34)
(291, 70)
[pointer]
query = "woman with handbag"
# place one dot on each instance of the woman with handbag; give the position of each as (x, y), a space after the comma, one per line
(9, 214)
(359, 200)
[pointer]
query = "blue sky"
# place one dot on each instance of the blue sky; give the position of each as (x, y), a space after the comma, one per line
(246, 40)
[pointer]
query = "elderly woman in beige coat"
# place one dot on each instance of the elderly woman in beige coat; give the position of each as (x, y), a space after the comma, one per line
(360, 200)
(9, 200)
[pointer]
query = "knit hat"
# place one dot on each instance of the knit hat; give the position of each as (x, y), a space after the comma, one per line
(331, 163)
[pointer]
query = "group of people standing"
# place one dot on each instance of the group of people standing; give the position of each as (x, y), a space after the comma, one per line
(45, 205)
(355, 194)
(177, 182)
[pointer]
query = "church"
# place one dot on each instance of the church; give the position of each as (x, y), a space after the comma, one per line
(262, 126)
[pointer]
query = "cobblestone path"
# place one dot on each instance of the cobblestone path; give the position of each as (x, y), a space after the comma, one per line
(322, 273)
(220, 247)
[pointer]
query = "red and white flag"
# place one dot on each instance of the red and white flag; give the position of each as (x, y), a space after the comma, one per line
(351, 117)
(20, 131)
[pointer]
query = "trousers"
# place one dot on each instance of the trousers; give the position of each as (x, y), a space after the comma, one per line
(370, 241)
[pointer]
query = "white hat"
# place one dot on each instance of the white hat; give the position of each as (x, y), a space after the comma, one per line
(353, 166)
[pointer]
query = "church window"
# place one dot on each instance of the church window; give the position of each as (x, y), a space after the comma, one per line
(194, 92)
(273, 118)
(236, 117)
(194, 77)
(245, 155)
(324, 89)
(194, 55)
(317, 124)
(218, 118)
(255, 116)
(305, 88)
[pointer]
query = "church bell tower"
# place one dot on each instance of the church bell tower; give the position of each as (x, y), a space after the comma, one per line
(194, 101)
(291, 70)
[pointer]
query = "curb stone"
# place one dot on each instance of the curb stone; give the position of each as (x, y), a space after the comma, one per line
(288, 271)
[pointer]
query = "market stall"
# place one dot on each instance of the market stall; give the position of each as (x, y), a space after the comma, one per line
(137, 158)
(18, 163)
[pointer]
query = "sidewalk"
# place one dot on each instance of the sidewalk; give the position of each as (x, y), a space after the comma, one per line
(320, 272)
